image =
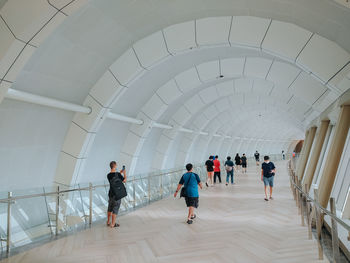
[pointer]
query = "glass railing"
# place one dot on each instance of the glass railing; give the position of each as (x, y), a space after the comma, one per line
(31, 215)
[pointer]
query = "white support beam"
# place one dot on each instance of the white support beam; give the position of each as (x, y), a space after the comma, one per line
(162, 126)
(45, 101)
(123, 118)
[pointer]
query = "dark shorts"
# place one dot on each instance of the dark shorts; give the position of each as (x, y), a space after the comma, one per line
(192, 201)
(113, 206)
(244, 165)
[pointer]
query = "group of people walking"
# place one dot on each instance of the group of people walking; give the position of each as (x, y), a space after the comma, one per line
(189, 183)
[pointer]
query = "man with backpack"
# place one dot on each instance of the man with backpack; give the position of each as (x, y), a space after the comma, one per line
(190, 182)
(116, 192)
(229, 170)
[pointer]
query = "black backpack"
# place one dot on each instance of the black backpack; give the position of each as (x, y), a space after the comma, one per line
(117, 188)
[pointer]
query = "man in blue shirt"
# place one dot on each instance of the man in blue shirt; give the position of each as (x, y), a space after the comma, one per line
(268, 170)
(190, 181)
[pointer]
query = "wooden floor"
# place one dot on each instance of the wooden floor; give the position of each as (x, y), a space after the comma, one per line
(234, 224)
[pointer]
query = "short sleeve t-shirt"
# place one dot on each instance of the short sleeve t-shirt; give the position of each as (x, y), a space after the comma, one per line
(216, 165)
(267, 169)
(257, 155)
(210, 165)
(191, 180)
(110, 176)
(229, 163)
(244, 160)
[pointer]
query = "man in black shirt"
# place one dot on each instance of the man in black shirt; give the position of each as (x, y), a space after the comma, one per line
(114, 205)
(268, 170)
(210, 170)
(257, 157)
(244, 163)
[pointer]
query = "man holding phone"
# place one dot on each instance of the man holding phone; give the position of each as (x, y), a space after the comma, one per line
(113, 204)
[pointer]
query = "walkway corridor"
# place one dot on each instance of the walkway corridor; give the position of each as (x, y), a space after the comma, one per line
(234, 224)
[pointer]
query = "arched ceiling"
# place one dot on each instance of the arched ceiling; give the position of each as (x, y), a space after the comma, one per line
(257, 69)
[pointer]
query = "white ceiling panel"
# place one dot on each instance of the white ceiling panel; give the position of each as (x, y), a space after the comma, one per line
(298, 106)
(188, 80)
(169, 92)
(213, 30)
(210, 112)
(209, 94)
(180, 37)
(194, 104)
(251, 99)
(248, 30)
(104, 87)
(200, 121)
(154, 107)
(261, 86)
(285, 39)
(307, 88)
(126, 67)
(243, 85)
(232, 67)
(344, 85)
(225, 88)
(151, 49)
(236, 99)
(223, 104)
(257, 67)
(323, 57)
(325, 101)
(282, 74)
(181, 116)
(281, 95)
(209, 70)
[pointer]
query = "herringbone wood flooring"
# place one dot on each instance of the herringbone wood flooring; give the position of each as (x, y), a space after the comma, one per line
(234, 224)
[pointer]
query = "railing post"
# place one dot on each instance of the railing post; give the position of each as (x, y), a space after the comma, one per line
(302, 208)
(90, 204)
(8, 238)
(57, 209)
(318, 226)
(149, 189)
(161, 186)
(297, 194)
(335, 240)
(134, 191)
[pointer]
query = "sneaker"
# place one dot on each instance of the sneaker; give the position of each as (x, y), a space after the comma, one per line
(189, 221)
(206, 183)
(266, 199)
(193, 217)
(226, 184)
(116, 225)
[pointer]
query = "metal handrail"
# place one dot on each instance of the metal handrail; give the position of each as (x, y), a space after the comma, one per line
(324, 210)
(6, 200)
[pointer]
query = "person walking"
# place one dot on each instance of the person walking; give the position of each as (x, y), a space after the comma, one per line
(116, 180)
(190, 181)
(244, 163)
(257, 158)
(217, 170)
(268, 171)
(283, 155)
(209, 164)
(229, 165)
(238, 161)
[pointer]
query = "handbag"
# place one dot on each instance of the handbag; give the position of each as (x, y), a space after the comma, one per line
(183, 189)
